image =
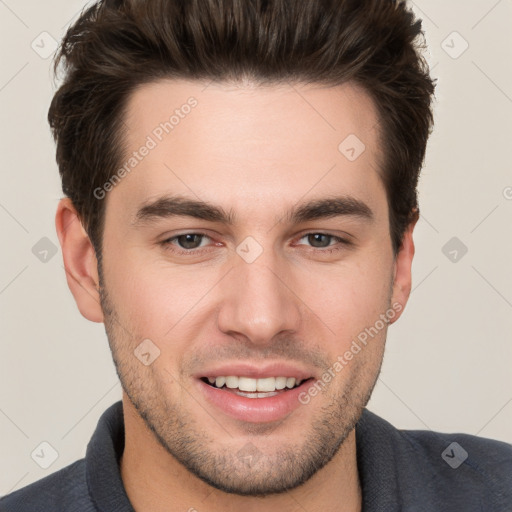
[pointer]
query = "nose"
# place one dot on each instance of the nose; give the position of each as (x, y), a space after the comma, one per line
(258, 301)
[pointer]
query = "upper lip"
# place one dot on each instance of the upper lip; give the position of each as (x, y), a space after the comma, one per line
(239, 369)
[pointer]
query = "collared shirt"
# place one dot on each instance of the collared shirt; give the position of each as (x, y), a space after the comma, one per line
(399, 470)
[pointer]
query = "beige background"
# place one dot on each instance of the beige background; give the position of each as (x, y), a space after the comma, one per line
(449, 359)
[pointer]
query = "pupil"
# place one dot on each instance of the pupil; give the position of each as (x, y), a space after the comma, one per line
(316, 236)
(188, 241)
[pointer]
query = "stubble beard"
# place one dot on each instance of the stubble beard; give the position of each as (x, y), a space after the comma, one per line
(225, 467)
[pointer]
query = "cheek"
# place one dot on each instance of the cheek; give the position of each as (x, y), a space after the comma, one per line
(156, 300)
(349, 298)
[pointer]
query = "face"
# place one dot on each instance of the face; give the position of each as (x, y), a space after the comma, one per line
(283, 269)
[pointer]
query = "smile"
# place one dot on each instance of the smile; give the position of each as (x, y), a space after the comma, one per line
(257, 400)
(253, 388)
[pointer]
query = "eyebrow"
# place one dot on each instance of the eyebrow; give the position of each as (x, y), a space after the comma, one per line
(180, 206)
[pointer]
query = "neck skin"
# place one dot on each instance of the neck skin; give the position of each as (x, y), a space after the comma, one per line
(156, 482)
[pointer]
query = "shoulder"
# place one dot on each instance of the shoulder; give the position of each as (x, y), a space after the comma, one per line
(477, 468)
(479, 452)
(458, 470)
(65, 489)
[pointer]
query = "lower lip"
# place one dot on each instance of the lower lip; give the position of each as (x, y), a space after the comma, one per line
(255, 410)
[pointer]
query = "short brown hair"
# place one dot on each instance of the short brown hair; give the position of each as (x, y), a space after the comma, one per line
(118, 45)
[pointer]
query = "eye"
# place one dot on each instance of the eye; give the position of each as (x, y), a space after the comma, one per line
(322, 241)
(184, 243)
(190, 243)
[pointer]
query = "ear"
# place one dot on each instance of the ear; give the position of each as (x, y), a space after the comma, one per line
(80, 261)
(402, 272)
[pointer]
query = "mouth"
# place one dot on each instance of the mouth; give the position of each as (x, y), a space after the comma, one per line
(257, 398)
(248, 387)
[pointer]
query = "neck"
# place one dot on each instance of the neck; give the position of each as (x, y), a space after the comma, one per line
(155, 481)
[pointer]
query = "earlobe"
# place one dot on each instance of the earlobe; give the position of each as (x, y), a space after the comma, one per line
(80, 261)
(403, 266)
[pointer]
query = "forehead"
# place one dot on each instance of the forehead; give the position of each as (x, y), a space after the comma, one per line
(254, 147)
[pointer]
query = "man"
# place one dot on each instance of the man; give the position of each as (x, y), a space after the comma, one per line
(240, 181)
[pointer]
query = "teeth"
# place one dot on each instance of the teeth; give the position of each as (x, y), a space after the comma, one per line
(231, 382)
(247, 384)
(266, 384)
(256, 395)
(281, 382)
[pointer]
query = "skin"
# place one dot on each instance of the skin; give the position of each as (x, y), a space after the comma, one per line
(257, 151)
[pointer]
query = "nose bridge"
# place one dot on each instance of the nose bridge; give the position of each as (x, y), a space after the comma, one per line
(257, 302)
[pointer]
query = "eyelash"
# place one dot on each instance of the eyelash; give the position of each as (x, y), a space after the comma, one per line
(169, 246)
